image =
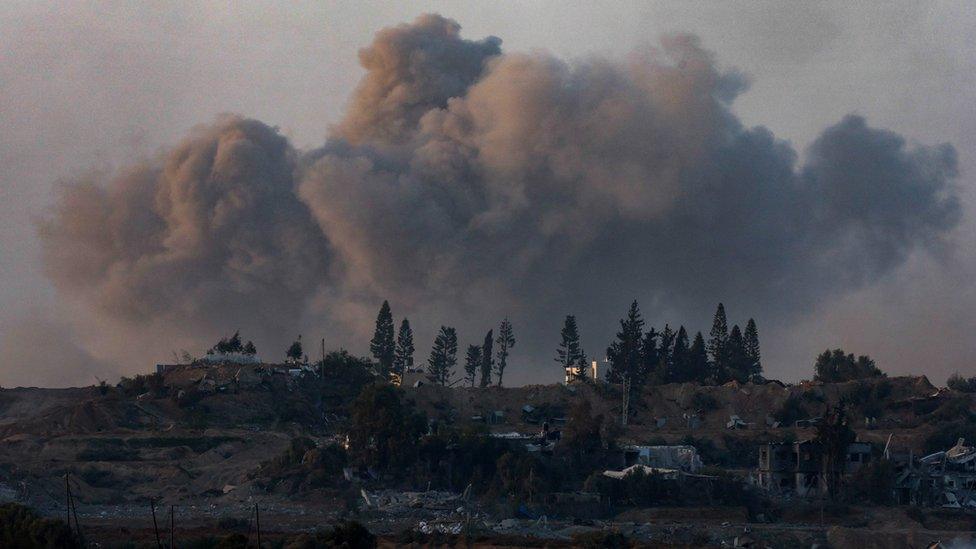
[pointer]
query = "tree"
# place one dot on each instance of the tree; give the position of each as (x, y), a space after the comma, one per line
(250, 349)
(229, 345)
(443, 357)
(582, 371)
(472, 363)
(735, 355)
(697, 366)
(382, 345)
(717, 339)
(569, 352)
(487, 359)
(834, 436)
(403, 357)
(582, 435)
(383, 430)
(957, 382)
(234, 345)
(505, 340)
(650, 355)
(678, 370)
(751, 340)
(294, 352)
(624, 354)
(665, 356)
(835, 366)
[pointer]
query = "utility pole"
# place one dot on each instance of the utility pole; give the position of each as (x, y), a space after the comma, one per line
(257, 521)
(152, 507)
(322, 365)
(67, 500)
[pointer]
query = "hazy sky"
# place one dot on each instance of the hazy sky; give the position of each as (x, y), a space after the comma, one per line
(86, 88)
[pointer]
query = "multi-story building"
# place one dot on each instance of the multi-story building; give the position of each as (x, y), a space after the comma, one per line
(797, 467)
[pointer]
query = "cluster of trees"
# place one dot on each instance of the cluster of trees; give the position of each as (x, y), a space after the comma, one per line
(669, 356)
(394, 356)
(836, 366)
(233, 345)
(961, 384)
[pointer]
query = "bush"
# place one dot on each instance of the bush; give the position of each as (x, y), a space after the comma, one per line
(874, 482)
(21, 527)
(350, 534)
(595, 540)
(958, 383)
(790, 411)
(233, 524)
(946, 435)
(704, 402)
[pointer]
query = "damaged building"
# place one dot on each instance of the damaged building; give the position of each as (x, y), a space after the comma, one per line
(946, 478)
(796, 468)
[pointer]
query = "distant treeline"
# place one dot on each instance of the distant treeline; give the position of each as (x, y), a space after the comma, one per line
(640, 357)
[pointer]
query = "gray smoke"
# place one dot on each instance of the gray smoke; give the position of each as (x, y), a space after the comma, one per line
(207, 238)
(466, 184)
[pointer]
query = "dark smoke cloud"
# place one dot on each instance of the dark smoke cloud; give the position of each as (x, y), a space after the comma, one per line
(208, 237)
(465, 184)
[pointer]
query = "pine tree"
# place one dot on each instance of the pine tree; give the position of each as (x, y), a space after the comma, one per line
(472, 363)
(698, 360)
(751, 341)
(505, 340)
(665, 356)
(487, 359)
(717, 340)
(582, 371)
(678, 372)
(443, 357)
(382, 345)
(738, 363)
(650, 357)
(569, 352)
(403, 356)
(624, 354)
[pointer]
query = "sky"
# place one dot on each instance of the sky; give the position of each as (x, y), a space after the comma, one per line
(105, 95)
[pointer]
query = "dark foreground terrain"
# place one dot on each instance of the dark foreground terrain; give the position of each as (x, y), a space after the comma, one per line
(213, 445)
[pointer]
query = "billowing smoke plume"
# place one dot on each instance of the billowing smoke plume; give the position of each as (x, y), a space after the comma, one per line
(208, 238)
(466, 184)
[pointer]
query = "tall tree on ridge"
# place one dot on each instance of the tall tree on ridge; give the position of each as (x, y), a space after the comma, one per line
(751, 341)
(624, 354)
(738, 363)
(569, 352)
(403, 356)
(650, 355)
(505, 340)
(665, 354)
(698, 360)
(678, 372)
(383, 345)
(443, 357)
(717, 340)
(487, 359)
(472, 363)
(294, 352)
